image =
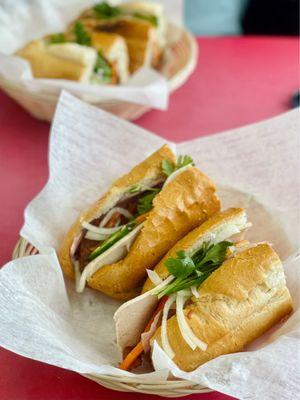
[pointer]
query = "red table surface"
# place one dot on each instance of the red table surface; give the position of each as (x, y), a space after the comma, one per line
(237, 81)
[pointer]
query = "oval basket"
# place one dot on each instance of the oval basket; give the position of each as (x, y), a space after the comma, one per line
(170, 388)
(179, 62)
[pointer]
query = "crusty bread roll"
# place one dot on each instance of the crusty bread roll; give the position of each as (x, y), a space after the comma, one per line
(60, 61)
(76, 62)
(114, 49)
(146, 172)
(220, 226)
(182, 204)
(239, 302)
(224, 225)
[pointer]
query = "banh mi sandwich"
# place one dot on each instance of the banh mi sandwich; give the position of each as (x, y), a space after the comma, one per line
(135, 223)
(141, 24)
(212, 294)
(97, 58)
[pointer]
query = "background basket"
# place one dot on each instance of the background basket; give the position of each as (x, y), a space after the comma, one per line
(171, 388)
(178, 64)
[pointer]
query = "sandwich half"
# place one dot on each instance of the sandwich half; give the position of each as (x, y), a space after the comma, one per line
(60, 60)
(98, 58)
(135, 223)
(141, 24)
(210, 296)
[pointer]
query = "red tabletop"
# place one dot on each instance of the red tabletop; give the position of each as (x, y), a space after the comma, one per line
(237, 81)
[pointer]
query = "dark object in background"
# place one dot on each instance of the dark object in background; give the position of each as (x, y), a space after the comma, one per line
(295, 102)
(271, 17)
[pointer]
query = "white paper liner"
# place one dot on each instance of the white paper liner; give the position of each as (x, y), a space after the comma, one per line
(28, 20)
(255, 166)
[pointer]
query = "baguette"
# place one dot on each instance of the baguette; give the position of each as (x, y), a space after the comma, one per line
(240, 301)
(60, 61)
(187, 201)
(77, 62)
(179, 206)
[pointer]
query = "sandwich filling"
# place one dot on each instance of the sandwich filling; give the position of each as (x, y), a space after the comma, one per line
(103, 71)
(108, 238)
(187, 271)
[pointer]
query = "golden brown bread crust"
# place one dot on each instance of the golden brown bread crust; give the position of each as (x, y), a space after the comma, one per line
(149, 169)
(103, 41)
(185, 243)
(238, 303)
(45, 65)
(186, 201)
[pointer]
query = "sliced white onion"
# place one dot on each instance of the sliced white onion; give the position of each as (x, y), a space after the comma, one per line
(101, 231)
(111, 212)
(175, 173)
(185, 293)
(154, 277)
(188, 335)
(195, 291)
(164, 334)
(75, 244)
(95, 236)
(77, 271)
(115, 253)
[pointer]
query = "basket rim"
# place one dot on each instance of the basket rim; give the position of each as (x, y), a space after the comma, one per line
(169, 388)
(176, 81)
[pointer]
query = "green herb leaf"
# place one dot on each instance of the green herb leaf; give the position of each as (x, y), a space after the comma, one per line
(81, 35)
(182, 161)
(105, 10)
(149, 18)
(193, 270)
(103, 68)
(114, 238)
(215, 254)
(168, 167)
(57, 38)
(182, 266)
(145, 203)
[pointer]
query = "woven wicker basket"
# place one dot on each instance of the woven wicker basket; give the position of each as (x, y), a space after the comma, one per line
(178, 64)
(171, 388)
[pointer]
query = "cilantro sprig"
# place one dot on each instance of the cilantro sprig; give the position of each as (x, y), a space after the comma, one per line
(182, 161)
(193, 270)
(81, 35)
(105, 10)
